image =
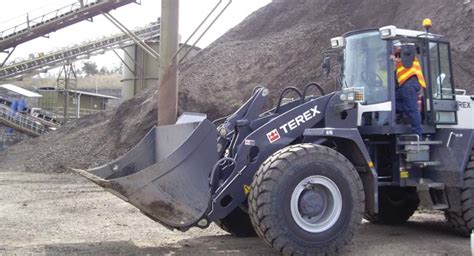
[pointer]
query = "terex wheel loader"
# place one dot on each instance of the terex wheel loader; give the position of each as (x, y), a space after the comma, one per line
(303, 174)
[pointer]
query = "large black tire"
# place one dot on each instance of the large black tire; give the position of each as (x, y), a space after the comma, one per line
(462, 221)
(237, 223)
(272, 200)
(396, 205)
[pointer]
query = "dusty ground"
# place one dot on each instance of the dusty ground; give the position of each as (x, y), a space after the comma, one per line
(64, 214)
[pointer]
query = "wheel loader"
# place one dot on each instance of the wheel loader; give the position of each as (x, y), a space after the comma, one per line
(303, 174)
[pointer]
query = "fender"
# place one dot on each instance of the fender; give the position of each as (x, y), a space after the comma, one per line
(355, 151)
(256, 147)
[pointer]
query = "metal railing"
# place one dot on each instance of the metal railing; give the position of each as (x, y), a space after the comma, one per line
(77, 52)
(60, 12)
(20, 122)
(56, 19)
(72, 112)
(46, 118)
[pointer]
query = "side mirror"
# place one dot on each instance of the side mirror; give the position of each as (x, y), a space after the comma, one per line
(327, 65)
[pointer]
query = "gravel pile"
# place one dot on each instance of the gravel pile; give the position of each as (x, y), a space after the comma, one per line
(277, 46)
(282, 44)
(87, 142)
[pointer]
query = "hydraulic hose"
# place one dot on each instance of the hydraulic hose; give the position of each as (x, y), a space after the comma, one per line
(284, 92)
(312, 84)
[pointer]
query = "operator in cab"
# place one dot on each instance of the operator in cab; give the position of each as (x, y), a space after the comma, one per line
(409, 81)
(381, 68)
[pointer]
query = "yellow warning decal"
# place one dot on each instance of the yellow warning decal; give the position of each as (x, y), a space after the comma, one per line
(246, 189)
(403, 174)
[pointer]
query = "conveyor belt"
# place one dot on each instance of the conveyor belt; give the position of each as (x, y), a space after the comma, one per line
(57, 19)
(77, 52)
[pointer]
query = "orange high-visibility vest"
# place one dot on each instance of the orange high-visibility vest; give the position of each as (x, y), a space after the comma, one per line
(415, 70)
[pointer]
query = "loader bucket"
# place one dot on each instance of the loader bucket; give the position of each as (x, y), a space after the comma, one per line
(166, 175)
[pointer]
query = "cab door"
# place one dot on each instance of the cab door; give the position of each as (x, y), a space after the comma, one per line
(442, 103)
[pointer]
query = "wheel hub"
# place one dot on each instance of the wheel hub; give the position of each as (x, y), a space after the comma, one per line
(316, 204)
(312, 203)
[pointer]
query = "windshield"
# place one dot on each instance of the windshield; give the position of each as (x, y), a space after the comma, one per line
(366, 65)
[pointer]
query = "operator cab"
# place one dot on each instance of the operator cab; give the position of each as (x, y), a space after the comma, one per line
(367, 78)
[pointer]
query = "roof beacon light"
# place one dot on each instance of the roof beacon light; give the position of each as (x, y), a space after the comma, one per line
(427, 24)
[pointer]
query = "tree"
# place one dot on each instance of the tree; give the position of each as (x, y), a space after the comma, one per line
(104, 71)
(117, 70)
(89, 68)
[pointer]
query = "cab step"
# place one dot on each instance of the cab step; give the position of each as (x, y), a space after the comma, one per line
(432, 194)
(426, 163)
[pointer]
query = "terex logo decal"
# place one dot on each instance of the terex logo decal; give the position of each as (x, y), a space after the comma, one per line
(294, 123)
(301, 119)
(273, 136)
(464, 104)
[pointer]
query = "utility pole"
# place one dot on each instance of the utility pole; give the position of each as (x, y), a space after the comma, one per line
(66, 96)
(168, 75)
(67, 81)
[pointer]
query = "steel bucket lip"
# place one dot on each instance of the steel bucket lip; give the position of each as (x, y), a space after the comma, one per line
(151, 132)
(91, 173)
(109, 164)
(107, 169)
(193, 142)
(168, 163)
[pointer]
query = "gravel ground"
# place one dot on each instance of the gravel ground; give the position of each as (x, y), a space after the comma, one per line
(64, 214)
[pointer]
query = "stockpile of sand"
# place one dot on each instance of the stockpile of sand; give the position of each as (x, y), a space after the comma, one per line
(282, 44)
(277, 46)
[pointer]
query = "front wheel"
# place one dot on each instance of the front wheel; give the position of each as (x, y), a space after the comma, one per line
(306, 199)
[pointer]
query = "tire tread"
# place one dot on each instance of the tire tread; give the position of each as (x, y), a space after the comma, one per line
(462, 221)
(271, 170)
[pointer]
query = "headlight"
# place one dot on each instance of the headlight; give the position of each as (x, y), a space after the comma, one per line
(350, 96)
(353, 94)
(337, 42)
(388, 32)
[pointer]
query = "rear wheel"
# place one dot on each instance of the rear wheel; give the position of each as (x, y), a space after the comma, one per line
(306, 199)
(237, 223)
(396, 205)
(462, 220)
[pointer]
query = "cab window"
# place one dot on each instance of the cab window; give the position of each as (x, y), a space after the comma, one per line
(440, 71)
(366, 65)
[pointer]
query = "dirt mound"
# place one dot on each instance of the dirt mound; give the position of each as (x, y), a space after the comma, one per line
(282, 43)
(89, 141)
(277, 46)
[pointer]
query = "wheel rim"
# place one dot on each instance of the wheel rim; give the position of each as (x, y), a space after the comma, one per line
(316, 204)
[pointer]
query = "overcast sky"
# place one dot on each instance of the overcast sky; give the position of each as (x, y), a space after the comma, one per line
(191, 14)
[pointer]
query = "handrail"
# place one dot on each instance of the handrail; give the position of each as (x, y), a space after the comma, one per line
(460, 92)
(46, 118)
(28, 124)
(50, 15)
(55, 20)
